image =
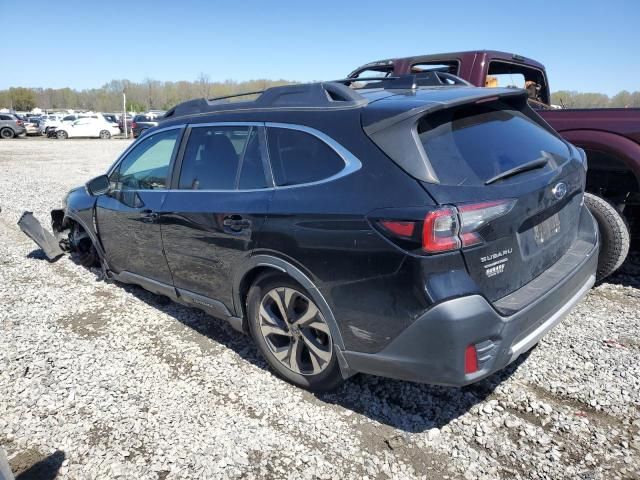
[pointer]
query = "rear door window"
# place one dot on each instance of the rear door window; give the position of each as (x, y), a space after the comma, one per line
(473, 145)
(252, 175)
(298, 157)
(213, 155)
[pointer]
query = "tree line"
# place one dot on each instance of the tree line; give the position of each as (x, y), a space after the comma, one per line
(571, 99)
(154, 94)
(141, 96)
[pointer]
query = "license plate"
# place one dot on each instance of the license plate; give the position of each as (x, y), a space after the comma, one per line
(547, 229)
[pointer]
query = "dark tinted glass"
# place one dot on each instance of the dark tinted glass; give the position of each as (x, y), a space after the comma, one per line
(146, 166)
(5, 117)
(252, 170)
(211, 158)
(468, 147)
(298, 157)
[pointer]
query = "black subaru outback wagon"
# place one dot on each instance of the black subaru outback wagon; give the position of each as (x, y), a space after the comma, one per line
(428, 233)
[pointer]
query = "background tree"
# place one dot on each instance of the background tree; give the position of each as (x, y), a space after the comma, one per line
(23, 99)
(154, 94)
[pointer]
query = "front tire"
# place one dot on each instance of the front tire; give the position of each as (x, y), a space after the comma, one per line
(83, 247)
(105, 134)
(61, 135)
(614, 235)
(292, 333)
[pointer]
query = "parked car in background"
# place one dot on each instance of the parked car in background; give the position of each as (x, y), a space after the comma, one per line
(11, 126)
(144, 122)
(426, 234)
(609, 136)
(49, 122)
(121, 120)
(32, 127)
(111, 118)
(87, 127)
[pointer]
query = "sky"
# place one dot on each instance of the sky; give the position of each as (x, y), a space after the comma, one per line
(585, 45)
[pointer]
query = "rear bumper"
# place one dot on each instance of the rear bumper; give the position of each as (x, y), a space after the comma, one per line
(431, 349)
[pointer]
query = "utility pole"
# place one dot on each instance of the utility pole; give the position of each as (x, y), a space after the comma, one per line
(124, 113)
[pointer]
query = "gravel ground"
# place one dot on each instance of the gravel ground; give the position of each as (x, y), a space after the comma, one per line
(102, 380)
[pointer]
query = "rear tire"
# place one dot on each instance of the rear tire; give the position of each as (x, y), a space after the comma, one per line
(105, 135)
(290, 350)
(6, 133)
(61, 135)
(614, 235)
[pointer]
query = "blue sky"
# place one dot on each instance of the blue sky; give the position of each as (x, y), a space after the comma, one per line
(585, 45)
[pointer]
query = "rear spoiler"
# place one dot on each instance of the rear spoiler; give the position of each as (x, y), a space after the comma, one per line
(470, 96)
(397, 135)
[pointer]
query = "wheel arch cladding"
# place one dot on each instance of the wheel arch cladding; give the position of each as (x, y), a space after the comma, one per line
(260, 264)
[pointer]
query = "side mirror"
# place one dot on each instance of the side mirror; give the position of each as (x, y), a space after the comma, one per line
(98, 186)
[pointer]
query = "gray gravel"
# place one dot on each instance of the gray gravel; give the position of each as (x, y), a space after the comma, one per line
(101, 380)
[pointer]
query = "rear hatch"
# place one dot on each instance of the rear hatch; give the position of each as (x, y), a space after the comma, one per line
(513, 184)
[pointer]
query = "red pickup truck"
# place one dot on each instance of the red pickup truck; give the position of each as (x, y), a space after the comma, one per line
(609, 136)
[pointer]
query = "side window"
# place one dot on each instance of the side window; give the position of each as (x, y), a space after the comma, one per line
(445, 66)
(503, 74)
(212, 157)
(146, 167)
(251, 167)
(299, 157)
(380, 72)
(5, 117)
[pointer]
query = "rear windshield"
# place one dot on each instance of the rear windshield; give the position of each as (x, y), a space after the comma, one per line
(471, 146)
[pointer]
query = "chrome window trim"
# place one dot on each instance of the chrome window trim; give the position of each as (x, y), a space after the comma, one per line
(351, 162)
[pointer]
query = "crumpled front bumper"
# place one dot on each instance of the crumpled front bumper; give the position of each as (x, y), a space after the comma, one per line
(43, 238)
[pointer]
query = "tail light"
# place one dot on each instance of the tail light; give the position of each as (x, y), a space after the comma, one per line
(20, 123)
(447, 228)
(440, 231)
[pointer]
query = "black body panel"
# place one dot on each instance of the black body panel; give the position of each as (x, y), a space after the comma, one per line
(130, 233)
(199, 246)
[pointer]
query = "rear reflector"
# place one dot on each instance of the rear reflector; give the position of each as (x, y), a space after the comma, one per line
(470, 360)
(402, 229)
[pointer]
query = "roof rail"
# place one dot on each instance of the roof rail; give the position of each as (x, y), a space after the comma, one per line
(320, 95)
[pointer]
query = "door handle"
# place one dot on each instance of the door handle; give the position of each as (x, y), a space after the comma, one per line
(148, 216)
(236, 222)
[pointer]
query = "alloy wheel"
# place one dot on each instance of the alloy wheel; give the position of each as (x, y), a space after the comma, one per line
(295, 331)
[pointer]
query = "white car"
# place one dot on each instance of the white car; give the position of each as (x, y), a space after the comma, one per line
(49, 121)
(87, 127)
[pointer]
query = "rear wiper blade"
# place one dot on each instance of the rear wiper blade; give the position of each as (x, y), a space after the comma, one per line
(525, 167)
